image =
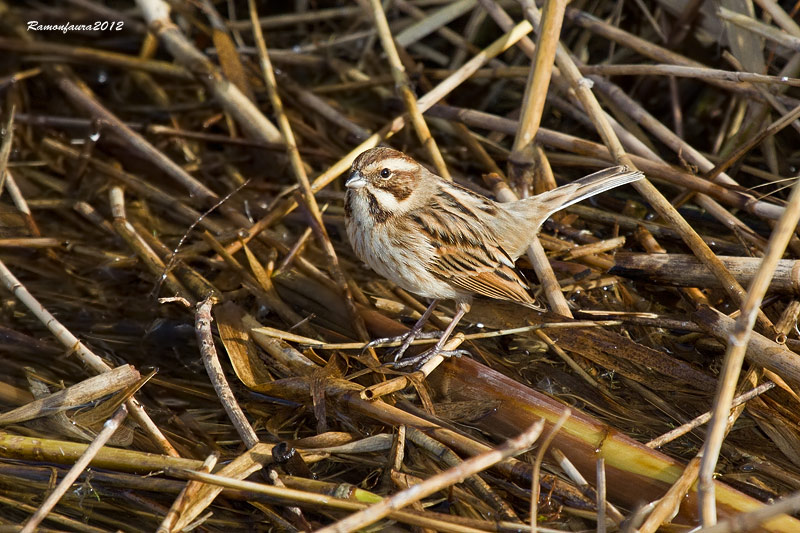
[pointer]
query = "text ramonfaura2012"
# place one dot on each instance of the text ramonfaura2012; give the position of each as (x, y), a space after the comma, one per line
(99, 25)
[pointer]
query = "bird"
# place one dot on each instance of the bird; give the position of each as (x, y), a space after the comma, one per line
(442, 241)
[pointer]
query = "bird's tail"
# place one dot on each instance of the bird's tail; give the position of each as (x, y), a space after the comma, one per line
(538, 208)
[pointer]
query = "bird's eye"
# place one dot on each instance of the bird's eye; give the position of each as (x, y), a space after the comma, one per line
(385, 173)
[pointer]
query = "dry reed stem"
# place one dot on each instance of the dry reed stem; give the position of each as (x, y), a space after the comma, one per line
(299, 170)
(735, 353)
(764, 30)
(433, 484)
(80, 93)
(423, 103)
(644, 187)
(89, 358)
(403, 85)
(700, 73)
(317, 500)
(99, 441)
(601, 495)
(668, 504)
(698, 421)
(537, 465)
(208, 352)
(430, 22)
(522, 152)
(547, 39)
(247, 115)
(95, 56)
(761, 351)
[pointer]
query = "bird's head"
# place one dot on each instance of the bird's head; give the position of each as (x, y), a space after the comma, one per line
(387, 177)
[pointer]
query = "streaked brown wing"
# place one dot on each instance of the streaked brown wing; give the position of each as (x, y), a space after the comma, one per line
(481, 271)
(467, 252)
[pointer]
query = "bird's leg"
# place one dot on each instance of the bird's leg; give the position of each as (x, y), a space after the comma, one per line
(415, 331)
(421, 359)
(410, 335)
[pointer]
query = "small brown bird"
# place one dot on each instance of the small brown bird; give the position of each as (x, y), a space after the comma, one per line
(441, 241)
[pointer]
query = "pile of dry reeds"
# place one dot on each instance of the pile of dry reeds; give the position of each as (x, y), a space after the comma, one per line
(183, 323)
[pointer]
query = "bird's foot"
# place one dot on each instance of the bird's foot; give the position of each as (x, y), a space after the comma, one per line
(418, 360)
(406, 339)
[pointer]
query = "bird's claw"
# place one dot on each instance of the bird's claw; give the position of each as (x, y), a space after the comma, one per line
(419, 360)
(406, 339)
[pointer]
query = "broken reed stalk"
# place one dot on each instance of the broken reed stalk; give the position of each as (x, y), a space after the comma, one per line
(86, 391)
(698, 73)
(186, 494)
(208, 352)
(735, 353)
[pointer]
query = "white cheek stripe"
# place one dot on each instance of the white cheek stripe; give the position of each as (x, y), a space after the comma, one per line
(386, 200)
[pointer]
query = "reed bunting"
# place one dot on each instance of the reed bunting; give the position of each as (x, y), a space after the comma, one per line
(441, 241)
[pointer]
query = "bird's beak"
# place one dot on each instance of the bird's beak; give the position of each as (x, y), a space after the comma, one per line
(355, 181)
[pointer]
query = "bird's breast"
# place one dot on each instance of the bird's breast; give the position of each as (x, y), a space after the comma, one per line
(395, 249)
